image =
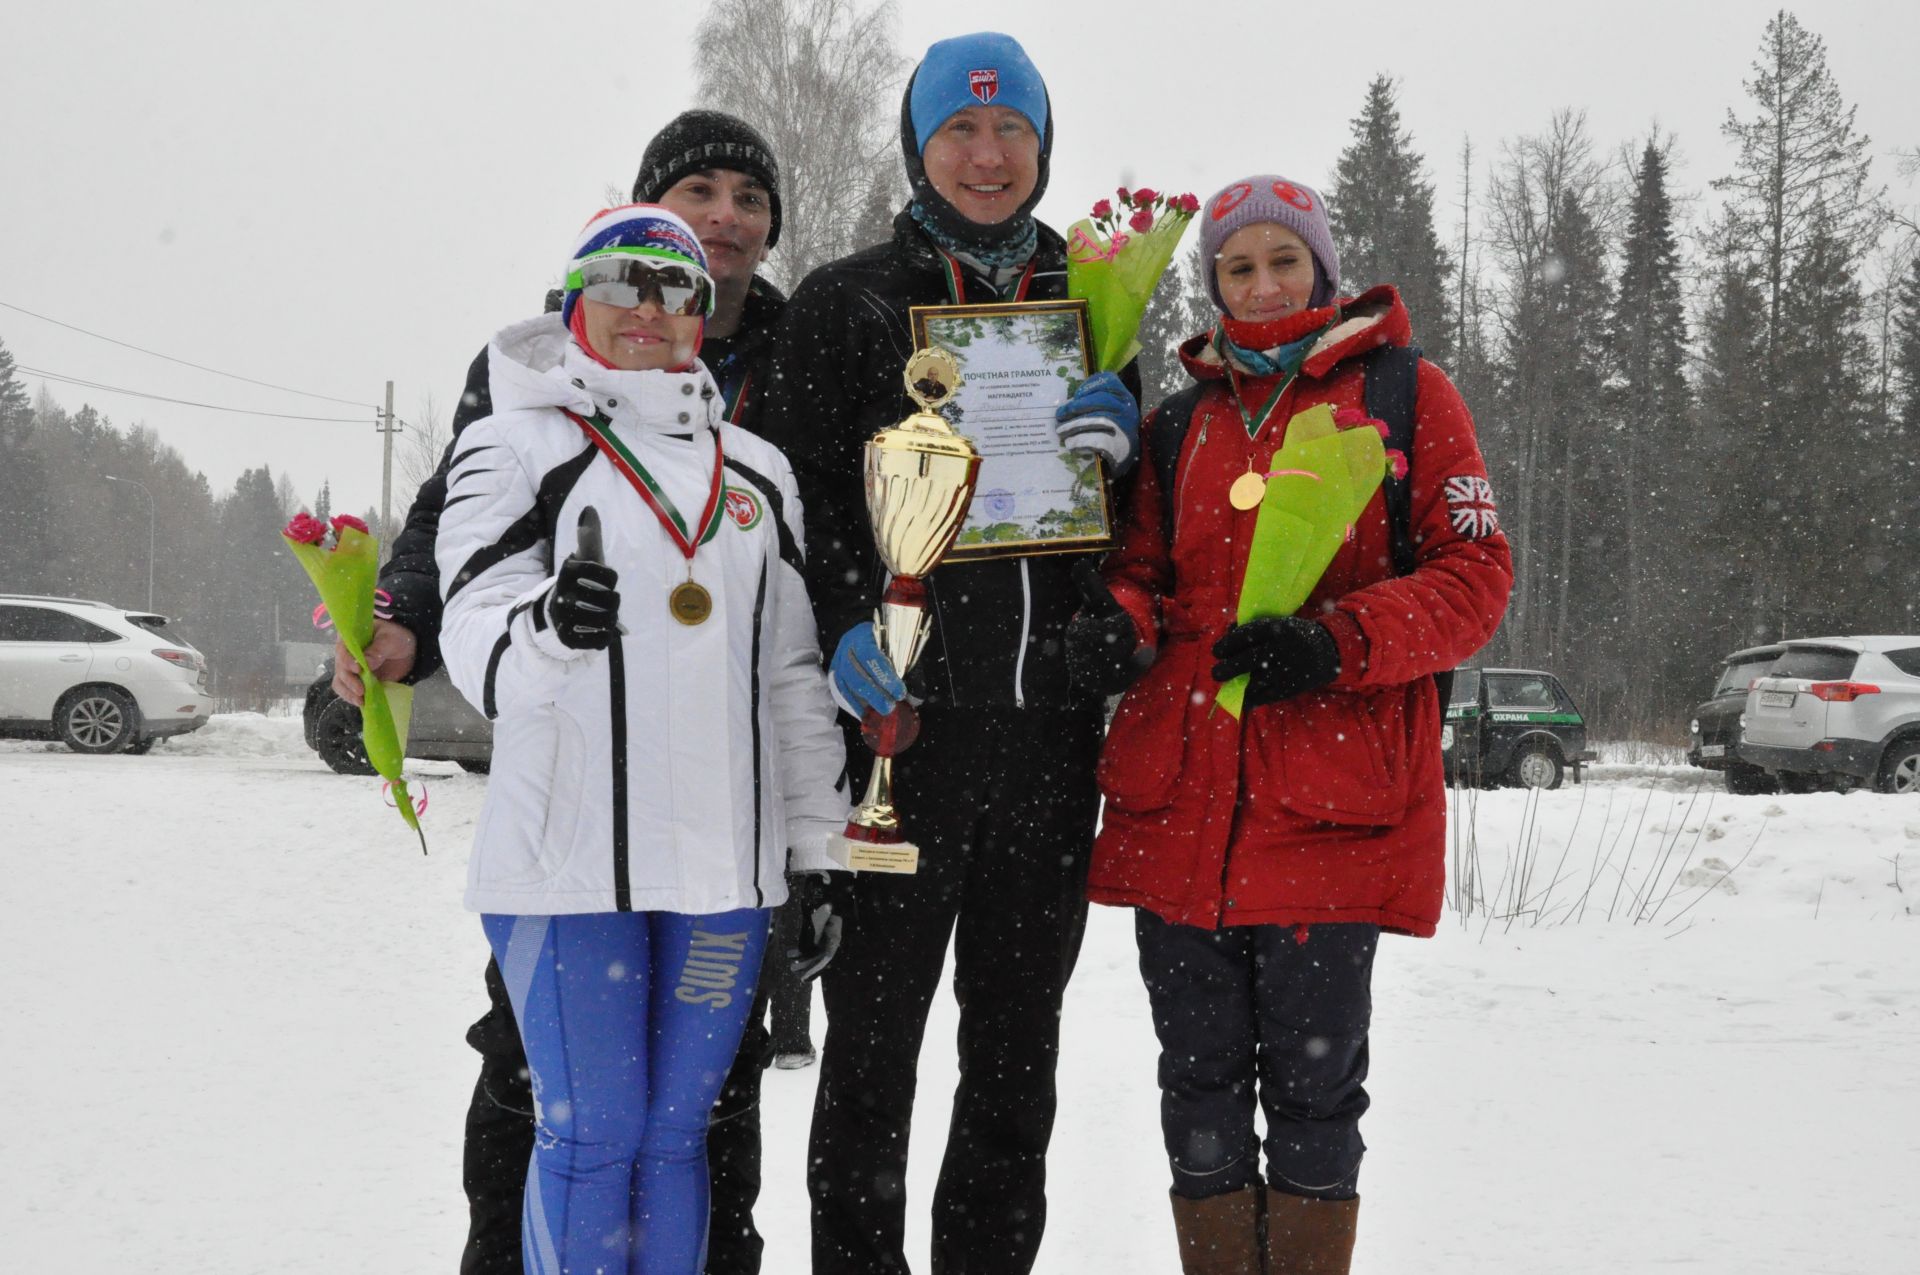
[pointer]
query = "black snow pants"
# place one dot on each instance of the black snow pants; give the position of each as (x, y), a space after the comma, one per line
(1002, 805)
(789, 1000)
(1276, 1009)
(500, 1145)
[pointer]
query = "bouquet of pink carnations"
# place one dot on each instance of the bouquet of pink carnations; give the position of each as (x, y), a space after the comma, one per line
(1114, 261)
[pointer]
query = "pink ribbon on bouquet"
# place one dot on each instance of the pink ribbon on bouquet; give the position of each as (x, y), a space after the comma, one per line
(419, 803)
(1080, 241)
(382, 610)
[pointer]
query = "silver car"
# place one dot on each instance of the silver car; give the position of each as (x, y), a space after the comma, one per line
(1838, 712)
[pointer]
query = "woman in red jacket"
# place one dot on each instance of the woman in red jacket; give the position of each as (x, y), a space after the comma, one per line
(1265, 854)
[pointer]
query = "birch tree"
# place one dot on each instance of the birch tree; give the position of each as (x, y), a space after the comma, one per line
(821, 79)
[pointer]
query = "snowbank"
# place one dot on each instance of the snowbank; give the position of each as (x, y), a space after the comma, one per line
(242, 735)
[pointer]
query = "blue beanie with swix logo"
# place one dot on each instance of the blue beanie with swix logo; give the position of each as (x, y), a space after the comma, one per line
(983, 69)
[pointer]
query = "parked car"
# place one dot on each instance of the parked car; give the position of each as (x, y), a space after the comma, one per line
(1714, 732)
(1838, 712)
(1513, 726)
(96, 677)
(444, 727)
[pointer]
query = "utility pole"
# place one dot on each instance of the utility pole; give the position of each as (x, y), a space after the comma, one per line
(387, 427)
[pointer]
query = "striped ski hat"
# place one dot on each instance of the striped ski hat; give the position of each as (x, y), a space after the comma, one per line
(637, 230)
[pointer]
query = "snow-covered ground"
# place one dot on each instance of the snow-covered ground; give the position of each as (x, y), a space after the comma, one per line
(1679, 1030)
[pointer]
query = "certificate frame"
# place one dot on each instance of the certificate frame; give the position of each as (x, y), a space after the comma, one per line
(1058, 503)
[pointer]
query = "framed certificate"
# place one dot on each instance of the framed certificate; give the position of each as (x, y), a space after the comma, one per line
(1018, 363)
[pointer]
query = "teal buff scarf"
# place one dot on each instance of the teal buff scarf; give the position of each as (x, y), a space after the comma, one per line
(1281, 360)
(1014, 251)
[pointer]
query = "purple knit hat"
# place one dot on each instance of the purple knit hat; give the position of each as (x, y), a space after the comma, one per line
(1266, 197)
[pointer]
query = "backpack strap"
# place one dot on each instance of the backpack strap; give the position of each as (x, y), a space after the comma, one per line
(1166, 439)
(1393, 386)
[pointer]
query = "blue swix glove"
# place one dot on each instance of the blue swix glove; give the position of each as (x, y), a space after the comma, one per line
(862, 675)
(1103, 417)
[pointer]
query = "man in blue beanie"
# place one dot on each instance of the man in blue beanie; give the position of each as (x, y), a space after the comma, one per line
(999, 788)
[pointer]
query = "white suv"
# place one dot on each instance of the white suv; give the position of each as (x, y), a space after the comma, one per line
(99, 678)
(1840, 710)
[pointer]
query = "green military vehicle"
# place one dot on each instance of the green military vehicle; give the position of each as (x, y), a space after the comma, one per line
(1512, 726)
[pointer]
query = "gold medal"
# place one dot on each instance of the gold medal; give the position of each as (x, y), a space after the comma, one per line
(1248, 490)
(690, 603)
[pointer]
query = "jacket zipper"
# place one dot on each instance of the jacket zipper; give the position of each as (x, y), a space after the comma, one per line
(1026, 626)
(759, 808)
(617, 722)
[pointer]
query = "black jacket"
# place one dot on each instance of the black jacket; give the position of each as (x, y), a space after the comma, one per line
(410, 577)
(837, 364)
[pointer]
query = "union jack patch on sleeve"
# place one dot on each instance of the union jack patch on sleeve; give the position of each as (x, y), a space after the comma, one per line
(1470, 506)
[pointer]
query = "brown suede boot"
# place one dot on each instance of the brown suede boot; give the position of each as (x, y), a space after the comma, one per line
(1219, 1235)
(1309, 1237)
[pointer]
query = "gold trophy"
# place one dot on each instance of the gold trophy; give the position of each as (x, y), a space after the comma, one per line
(920, 476)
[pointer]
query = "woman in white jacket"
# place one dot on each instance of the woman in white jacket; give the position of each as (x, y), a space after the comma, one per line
(624, 599)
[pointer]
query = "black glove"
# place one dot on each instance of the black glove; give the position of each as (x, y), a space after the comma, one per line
(1104, 651)
(1283, 656)
(826, 904)
(584, 606)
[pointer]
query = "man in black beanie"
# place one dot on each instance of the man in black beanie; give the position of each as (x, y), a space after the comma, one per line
(718, 174)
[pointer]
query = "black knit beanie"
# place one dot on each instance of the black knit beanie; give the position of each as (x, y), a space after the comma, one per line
(950, 221)
(695, 141)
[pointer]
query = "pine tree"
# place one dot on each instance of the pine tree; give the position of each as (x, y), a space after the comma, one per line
(1381, 207)
(1735, 477)
(1903, 444)
(1650, 407)
(1589, 510)
(1827, 527)
(1798, 154)
(253, 567)
(16, 410)
(1906, 357)
(23, 487)
(1180, 308)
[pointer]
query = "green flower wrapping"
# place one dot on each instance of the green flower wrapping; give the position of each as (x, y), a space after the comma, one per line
(344, 564)
(1322, 478)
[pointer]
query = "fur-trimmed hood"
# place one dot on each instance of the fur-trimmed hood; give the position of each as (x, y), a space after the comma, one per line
(1375, 318)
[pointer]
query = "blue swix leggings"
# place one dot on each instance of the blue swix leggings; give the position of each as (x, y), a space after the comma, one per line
(630, 1021)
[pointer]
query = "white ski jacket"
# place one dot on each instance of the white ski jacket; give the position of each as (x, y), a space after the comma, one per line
(675, 771)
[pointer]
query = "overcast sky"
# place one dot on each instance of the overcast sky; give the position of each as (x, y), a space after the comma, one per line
(330, 196)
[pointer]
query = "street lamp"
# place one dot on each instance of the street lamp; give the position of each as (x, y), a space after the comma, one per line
(149, 495)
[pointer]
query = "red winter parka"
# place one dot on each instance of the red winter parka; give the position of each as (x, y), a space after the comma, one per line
(1330, 806)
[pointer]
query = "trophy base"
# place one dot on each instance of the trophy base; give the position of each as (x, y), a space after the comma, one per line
(862, 849)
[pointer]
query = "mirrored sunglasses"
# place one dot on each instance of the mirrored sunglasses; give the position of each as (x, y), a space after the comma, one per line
(627, 281)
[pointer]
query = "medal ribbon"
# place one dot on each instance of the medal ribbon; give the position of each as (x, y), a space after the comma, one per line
(600, 430)
(1254, 422)
(957, 282)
